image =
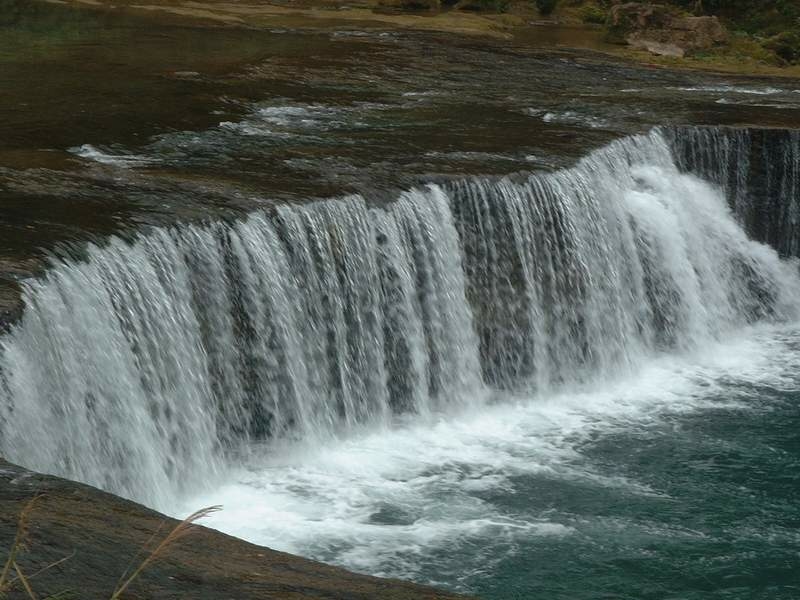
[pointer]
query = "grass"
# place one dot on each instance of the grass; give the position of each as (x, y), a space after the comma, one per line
(7, 583)
(741, 57)
(12, 576)
(179, 531)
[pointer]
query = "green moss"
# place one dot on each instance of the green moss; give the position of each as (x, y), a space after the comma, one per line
(785, 45)
(744, 47)
(592, 13)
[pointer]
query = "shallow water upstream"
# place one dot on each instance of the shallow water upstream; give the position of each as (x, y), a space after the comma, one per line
(109, 121)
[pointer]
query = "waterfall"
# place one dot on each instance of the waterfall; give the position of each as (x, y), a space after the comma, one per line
(147, 366)
(759, 171)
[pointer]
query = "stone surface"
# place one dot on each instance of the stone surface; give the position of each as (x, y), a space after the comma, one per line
(662, 30)
(101, 534)
(658, 48)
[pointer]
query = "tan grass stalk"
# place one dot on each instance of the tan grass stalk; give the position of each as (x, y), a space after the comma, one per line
(24, 581)
(181, 529)
(14, 580)
(20, 540)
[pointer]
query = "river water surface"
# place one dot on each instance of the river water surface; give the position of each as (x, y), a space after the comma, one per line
(438, 308)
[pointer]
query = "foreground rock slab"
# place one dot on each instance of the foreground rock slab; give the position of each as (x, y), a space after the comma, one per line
(101, 534)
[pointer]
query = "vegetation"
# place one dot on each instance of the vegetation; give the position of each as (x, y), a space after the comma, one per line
(13, 579)
(594, 13)
(785, 45)
(765, 31)
(774, 25)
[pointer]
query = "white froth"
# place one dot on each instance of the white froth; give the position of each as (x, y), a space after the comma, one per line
(430, 479)
(95, 154)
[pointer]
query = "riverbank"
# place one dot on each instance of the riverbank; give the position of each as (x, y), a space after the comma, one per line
(519, 21)
(312, 15)
(93, 537)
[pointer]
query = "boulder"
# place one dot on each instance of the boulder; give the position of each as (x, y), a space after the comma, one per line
(663, 29)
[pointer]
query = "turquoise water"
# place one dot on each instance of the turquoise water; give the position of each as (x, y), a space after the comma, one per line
(721, 521)
(679, 482)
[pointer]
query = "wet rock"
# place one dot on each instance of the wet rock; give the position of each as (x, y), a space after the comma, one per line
(662, 29)
(11, 305)
(99, 535)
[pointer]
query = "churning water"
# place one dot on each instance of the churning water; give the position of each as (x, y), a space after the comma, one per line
(491, 384)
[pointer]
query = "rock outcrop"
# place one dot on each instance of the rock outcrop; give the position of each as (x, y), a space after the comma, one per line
(663, 30)
(97, 537)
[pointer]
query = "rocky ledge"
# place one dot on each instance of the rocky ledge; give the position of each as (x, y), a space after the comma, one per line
(663, 30)
(92, 538)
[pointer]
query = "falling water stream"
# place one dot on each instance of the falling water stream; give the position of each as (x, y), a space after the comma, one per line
(457, 387)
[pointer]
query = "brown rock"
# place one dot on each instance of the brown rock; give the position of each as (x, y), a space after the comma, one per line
(100, 536)
(662, 29)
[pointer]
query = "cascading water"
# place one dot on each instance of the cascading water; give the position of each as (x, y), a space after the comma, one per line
(148, 367)
(143, 366)
(587, 269)
(759, 171)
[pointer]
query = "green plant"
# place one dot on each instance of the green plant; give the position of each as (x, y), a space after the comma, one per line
(786, 45)
(744, 47)
(592, 13)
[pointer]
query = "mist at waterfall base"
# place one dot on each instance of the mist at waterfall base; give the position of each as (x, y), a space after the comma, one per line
(580, 384)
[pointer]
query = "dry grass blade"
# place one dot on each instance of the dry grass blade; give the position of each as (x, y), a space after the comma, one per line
(20, 540)
(24, 581)
(180, 530)
(13, 580)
